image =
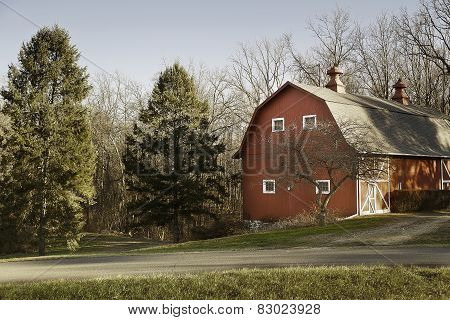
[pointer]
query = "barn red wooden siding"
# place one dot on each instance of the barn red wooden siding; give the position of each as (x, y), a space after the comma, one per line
(292, 103)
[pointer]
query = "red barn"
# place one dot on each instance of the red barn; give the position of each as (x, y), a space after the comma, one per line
(415, 140)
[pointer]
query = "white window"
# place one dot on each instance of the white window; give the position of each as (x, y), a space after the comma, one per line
(268, 186)
(309, 122)
(324, 185)
(277, 124)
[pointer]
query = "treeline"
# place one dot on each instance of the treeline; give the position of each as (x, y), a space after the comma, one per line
(105, 154)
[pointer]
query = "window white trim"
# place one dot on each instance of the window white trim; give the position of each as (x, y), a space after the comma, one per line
(309, 116)
(273, 124)
(323, 192)
(264, 186)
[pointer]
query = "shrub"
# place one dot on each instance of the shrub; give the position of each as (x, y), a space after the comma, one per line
(305, 218)
(8, 238)
(223, 226)
(14, 238)
(419, 200)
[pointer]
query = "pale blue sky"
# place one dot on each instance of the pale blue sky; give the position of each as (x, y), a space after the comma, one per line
(138, 38)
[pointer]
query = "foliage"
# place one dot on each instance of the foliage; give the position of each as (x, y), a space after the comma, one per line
(51, 141)
(419, 200)
(222, 226)
(9, 235)
(171, 158)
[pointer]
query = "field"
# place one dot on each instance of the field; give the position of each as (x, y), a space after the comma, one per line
(357, 282)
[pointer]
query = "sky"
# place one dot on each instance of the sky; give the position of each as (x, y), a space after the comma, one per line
(139, 38)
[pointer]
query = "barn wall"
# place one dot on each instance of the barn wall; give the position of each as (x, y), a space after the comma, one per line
(415, 173)
(258, 164)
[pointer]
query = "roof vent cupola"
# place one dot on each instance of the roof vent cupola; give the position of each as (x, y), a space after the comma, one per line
(400, 95)
(335, 82)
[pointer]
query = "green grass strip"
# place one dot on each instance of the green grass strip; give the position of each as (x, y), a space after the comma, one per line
(357, 282)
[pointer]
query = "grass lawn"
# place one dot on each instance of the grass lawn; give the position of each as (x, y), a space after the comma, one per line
(90, 244)
(357, 282)
(299, 236)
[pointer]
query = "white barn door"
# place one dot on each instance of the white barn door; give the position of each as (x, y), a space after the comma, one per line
(445, 174)
(374, 194)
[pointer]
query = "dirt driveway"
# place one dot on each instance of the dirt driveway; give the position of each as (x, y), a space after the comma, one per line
(410, 229)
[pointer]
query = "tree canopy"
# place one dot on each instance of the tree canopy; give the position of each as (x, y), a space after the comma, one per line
(51, 140)
(171, 159)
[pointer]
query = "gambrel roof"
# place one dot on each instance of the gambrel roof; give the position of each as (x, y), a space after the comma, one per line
(395, 129)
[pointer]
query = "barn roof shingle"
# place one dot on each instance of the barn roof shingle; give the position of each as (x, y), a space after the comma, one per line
(395, 129)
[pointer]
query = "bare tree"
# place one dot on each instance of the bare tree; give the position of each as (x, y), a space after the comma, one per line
(429, 30)
(427, 85)
(228, 120)
(426, 36)
(258, 70)
(114, 102)
(226, 112)
(377, 56)
(334, 152)
(306, 69)
(334, 34)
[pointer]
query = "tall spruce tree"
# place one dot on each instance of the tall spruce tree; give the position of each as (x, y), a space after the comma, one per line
(171, 158)
(9, 237)
(51, 142)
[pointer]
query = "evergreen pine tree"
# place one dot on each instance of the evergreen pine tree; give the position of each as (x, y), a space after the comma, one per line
(9, 237)
(171, 159)
(51, 142)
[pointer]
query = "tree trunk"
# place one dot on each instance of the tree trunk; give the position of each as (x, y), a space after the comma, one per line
(88, 216)
(176, 228)
(43, 211)
(177, 171)
(42, 233)
(41, 230)
(322, 216)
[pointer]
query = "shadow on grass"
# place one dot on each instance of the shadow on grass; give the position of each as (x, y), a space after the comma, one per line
(286, 238)
(90, 244)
